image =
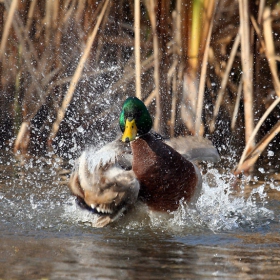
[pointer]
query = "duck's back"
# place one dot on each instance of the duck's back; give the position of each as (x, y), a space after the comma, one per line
(165, 176)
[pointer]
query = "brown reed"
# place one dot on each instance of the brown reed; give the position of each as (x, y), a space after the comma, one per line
(193, 66)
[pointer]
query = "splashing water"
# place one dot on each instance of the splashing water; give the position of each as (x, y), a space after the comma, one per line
(32, 197)
(219, 208)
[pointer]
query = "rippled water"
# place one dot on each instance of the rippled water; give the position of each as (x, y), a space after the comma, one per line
(233, 233)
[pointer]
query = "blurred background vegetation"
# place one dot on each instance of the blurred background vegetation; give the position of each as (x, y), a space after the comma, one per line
(202, 67)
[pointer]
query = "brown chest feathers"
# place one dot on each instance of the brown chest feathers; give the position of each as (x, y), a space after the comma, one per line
(165, 176)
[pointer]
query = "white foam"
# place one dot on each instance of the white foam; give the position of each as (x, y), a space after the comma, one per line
(218, 208)
(94, 156)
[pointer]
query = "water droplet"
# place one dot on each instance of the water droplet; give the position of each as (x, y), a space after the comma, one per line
(261, 170)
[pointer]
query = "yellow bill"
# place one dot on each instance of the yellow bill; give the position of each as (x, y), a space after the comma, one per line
(130, 131)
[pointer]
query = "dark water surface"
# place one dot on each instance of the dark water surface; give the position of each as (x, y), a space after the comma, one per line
(233, 233)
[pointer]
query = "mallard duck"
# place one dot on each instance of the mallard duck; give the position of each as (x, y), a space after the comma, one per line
(103, 181)
(139, 166)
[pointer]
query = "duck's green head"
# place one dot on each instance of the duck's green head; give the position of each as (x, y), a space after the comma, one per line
(135, 119)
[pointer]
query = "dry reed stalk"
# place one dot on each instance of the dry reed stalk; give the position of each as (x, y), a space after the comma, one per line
(101, 42)
(172, 83)
(224, 81)
(127, 41)
(258, 32)
(177, 28)
(191, 35)
(190, 79)
(199, 129)
(209, 9)
(150, 98)
(80, 9)
(195, 43)
(8, 24)
(48, 62)
(68, 96)
(55, 16)
(70, 7)
(190, 89)
(23, 137)
(137, 48)
(48, 22)
(174, 71)
(255, 131)
(151, 7)
(196, 24)
(29, 54)
(173, 107)
(246, 61)
(260, 12)
(237, 103)
(39, 81)
(217, 68)
(30, 15)
(258, 149)
(270, 49)
(270, 53)
(163, 28)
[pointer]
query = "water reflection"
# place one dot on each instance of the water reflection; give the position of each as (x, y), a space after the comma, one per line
(41, 236)
(133, 255)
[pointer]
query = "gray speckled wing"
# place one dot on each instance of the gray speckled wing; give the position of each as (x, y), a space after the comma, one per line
(194, 148)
